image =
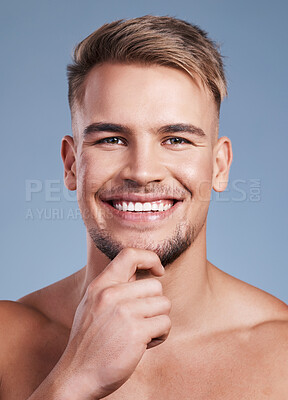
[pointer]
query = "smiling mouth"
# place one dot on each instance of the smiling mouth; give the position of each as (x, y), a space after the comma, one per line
(142, 207)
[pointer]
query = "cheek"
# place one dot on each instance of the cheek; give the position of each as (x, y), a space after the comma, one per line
(87, 179)
(92, 172)
(195, 173)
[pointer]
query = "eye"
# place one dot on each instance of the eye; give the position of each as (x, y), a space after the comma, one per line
(176, 141)
(113, 140)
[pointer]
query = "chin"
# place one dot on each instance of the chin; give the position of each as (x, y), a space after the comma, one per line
(168, 249)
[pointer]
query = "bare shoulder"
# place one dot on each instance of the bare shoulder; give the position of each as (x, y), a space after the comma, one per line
(245, 304)
(268, 351)
(30, 346)
(18, 319)
(34, 332)
(22, 327)
(38, 316)
(257, 323)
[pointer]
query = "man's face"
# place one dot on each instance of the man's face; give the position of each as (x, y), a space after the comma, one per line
(144, 158)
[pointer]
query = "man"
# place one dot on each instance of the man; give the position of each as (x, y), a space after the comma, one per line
(148, 317)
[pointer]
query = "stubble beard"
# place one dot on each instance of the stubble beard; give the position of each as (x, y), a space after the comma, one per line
(168, 250)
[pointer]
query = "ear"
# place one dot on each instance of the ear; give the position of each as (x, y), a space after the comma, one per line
(222, 161)
(69, 161)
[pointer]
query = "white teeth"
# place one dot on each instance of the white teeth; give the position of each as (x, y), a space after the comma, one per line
(147, 207)
(138, 207)
(142, 207)
(154, 207)
(130, 206)
(119, 207)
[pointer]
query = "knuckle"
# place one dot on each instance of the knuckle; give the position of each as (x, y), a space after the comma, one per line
(107, 296)
(94, 287)
(134, 332)
(156, 285)
(124, 310)
(168, 322)
(91, 289)
(129, 252)
(167, 303)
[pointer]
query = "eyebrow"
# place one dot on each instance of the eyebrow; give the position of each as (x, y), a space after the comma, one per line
(118, 128)
(174, 128)
(105, 127)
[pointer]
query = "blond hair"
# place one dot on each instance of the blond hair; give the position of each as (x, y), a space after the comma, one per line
(148, 40)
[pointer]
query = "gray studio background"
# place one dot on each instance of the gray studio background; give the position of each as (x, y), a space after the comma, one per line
(42, 235)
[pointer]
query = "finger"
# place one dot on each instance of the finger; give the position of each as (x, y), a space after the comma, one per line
(157, 327)
(125, 265)
(139, 289)
(150, 306)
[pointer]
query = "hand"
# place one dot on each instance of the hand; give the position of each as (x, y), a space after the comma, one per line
(115, 323)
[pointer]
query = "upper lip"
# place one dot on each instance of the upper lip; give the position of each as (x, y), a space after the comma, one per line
(138, 197)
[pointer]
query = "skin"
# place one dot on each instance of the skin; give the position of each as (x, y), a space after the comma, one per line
(129, 328)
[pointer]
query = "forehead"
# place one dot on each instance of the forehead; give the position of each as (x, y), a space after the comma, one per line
(144, 96)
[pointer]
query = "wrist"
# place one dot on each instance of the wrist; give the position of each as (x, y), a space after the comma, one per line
(72, 386)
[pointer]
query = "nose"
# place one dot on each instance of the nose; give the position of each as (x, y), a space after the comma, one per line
(143, 165)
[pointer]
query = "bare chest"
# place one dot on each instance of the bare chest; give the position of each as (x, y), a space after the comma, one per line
(204, 373)
(221, 377)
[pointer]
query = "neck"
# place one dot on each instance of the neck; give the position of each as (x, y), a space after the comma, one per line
(186, 283)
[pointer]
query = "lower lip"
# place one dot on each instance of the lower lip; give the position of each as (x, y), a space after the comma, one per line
(145, 216)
